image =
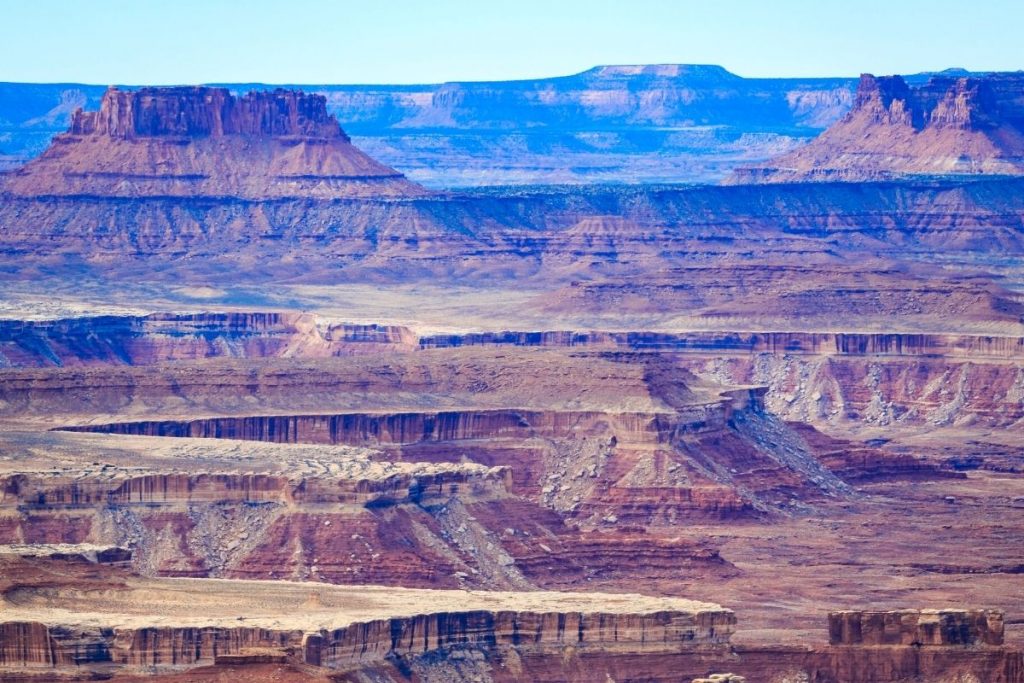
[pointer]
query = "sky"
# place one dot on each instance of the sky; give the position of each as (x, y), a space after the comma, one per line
(398, 41)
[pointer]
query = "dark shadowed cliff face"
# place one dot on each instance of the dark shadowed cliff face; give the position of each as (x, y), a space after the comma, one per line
(948, 126)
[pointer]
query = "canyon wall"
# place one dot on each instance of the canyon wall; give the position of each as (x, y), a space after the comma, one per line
(411, 428)
(33, 645)
(371, 525)
(427, 488)
(526, 232)
(788, 343)
(203, 141)
(821, 378)
(830, 378)
(158, 337)
(921, 629)
(323, 515)
(881, 390)
(543, 646)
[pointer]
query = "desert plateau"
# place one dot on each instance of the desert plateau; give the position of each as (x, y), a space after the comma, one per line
(653, 373)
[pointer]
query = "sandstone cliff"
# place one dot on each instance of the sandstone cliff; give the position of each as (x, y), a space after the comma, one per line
(949, 126)
(828, 378)
(127, 625)
(202, 141)
(336, 627)
(927, 628)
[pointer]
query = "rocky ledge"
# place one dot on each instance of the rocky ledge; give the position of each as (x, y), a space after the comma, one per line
(65, 618)
(124, 621)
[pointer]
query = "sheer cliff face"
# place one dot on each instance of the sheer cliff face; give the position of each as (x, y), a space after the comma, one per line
(207, 112)
(200, 141)
(948, 126)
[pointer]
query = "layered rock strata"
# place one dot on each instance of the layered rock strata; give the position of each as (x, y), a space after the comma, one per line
(203, 141)
(669, 236)
(948, 126)
(697, 459)
(263, 511)
(788, 343)
(829, 378)
(338, 628)
(633, 436)
(59, 618)
(928, 628)
(159, 337)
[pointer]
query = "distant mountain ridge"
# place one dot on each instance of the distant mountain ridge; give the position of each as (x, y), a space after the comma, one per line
(613, 123)
(626, 123)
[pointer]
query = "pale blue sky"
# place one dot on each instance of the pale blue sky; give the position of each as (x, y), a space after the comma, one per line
(398, 41)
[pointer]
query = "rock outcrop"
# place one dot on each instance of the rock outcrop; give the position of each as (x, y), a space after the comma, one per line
(602, 434)
(382, 633)
(950, 126)
(828, 378)
(920, 628)
(203, 141)
(337, 628)
(636, 467)
(788, 343)
(310, 513)
(697, 249)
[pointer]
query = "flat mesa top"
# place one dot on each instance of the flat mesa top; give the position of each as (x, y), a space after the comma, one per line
(101, 456)
(47, 549)
(282, 605)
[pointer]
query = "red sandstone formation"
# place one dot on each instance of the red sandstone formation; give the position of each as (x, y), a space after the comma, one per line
(651, 445)
(371, 631)
(829, 378)
(929, 628)
(668, 461)
(699, 251)
(339, 629)
(315, 513)
(686, 449)
(789, 343)
(202, 141)
(950, 126)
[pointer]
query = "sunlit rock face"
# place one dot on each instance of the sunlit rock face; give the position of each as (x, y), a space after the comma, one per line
(968, 126)
(202, 141)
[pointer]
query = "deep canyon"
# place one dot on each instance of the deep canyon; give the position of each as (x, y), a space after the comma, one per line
(283, 399)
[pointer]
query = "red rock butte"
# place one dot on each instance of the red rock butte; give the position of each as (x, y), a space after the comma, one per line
(947, 127)
(204, 141)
